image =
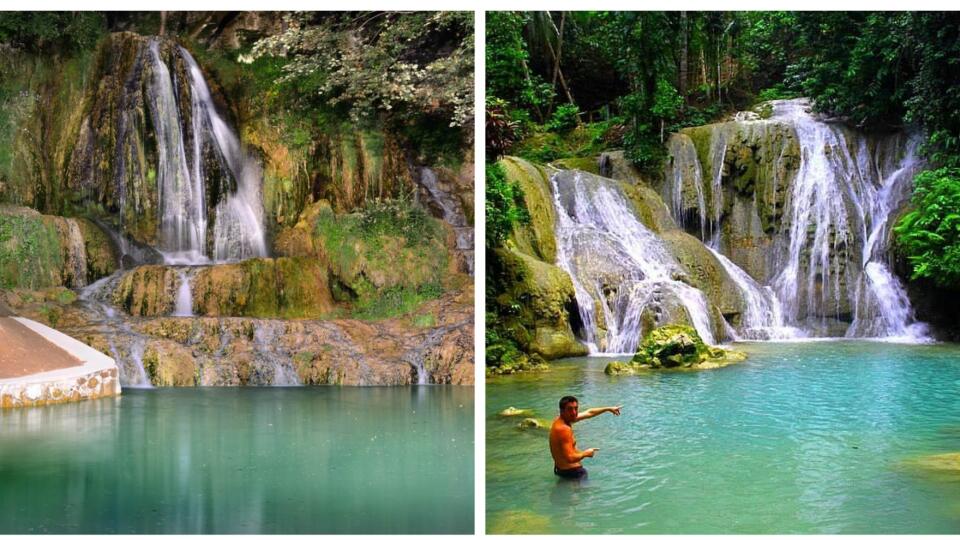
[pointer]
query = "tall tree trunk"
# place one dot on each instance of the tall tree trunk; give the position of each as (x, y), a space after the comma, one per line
(703, 72)
(557, 72)
(163, 23)
(683, 55)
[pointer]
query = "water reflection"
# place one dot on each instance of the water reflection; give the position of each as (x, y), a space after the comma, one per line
(242, 460)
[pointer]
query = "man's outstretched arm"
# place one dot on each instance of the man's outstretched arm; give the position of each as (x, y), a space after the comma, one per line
(590, 413)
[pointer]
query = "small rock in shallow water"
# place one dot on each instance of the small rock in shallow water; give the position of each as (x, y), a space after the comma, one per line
(513, 411)
(531, 423)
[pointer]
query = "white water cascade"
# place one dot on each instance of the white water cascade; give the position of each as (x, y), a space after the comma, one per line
(182, 209)
(238, 231)
(762, 317)
(622, 272)
(184, 304)
(452, 212)
(838, 214)
(828, 266)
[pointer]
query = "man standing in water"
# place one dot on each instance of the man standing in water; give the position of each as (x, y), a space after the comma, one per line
(563, 446)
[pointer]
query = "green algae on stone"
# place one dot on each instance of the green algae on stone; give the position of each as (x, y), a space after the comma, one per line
(31, 252)
(536, 239)
(678, 346)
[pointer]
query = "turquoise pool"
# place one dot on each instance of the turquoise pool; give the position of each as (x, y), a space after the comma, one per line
(811, 437)
(242, 460)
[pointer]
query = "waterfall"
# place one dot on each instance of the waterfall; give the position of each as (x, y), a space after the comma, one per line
(283, 371)
(182, 209)
(621, 271)
(238, 229)
(129, 362)
(828, 268)
(684, 169)
(762, 316)
(845, 195)
(184, 303)
(452, 212)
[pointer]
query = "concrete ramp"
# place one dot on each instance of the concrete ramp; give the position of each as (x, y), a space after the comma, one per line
(41, 366)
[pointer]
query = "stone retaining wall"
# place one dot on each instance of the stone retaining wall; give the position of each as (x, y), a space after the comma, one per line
(96, 377)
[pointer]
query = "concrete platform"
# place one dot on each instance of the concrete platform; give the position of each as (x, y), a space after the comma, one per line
(62, 369)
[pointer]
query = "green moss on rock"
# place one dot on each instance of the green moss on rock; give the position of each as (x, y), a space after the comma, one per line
(536, 239)
(679, 346)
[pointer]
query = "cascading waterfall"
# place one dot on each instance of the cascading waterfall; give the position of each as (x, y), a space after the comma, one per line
(829, 261)
(762, 316)
(683, 169)
(130, 358)
(182, 209)
(621, 271)
(845, 194)
(238, 231)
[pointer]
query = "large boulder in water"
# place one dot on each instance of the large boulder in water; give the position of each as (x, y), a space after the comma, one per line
(676, 346)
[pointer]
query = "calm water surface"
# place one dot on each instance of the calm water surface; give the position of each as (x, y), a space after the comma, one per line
(242, 460)
(809, 437)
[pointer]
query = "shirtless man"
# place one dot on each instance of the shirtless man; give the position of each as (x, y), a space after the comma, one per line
(566, 457)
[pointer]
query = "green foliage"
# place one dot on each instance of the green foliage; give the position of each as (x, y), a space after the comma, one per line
(930, 235)
(504, 205)
(564, 118)
(502, 130)
(396, 301)
(380, 63)
(30, 255)
(51, 31)
(775, 92)
(508, 73)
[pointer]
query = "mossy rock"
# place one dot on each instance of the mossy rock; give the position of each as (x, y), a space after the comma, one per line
(619, 368)
(286, 287)
(31, 249)
(588, 164)
(102, 255)
(532, 423)
(147, 291)
(545, 297)
(513, 411)
(704, 271)
(170, 364)
(679, 346)
(538, 238)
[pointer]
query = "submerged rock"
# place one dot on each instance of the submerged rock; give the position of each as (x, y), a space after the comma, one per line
(532, 423)
(945, 466)
(513, 411)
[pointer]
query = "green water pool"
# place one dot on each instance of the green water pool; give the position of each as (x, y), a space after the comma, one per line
(242, 460)
(813, 437)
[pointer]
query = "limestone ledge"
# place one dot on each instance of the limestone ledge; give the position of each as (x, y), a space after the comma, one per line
(97, 377)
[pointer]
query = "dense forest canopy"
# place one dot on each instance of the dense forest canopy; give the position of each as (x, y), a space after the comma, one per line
(626, 79)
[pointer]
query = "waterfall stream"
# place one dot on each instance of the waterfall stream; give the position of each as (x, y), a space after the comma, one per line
(622, 272)
(182, 176)
(829, 268)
